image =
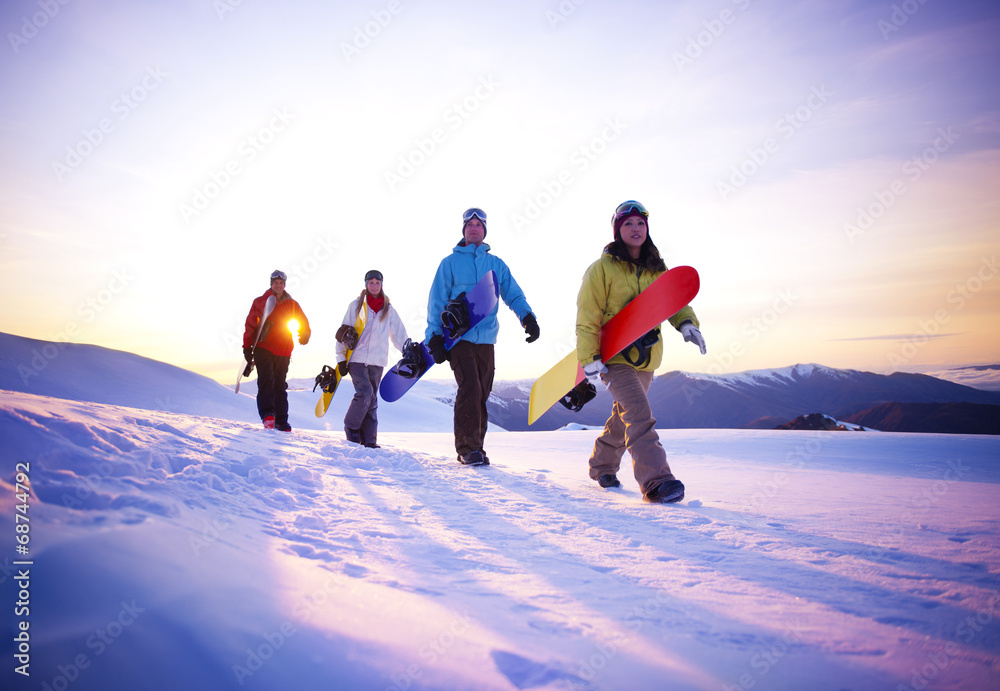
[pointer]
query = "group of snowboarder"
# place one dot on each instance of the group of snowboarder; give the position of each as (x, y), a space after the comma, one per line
(628, 265)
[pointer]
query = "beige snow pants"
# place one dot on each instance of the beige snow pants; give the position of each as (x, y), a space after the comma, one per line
(632, 427)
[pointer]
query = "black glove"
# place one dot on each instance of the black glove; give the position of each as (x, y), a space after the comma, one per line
(342, 366)
(248, 354)
(436, 346)
(304, 337)
(530, 325)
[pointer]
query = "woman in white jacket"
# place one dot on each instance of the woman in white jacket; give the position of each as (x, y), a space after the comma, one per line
(369, 357)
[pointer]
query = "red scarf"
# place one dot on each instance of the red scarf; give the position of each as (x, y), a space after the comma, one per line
(376, 303)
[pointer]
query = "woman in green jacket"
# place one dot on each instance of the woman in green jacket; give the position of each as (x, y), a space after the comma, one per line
(628, 266)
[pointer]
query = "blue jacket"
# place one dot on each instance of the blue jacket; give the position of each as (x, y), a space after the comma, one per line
(459, 272)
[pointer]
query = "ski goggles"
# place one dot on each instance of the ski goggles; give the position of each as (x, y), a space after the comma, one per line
(474, 213)
(279, 274)
(626, 208)
(374, 273)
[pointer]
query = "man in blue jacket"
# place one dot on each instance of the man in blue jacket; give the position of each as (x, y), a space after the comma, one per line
(472, 357)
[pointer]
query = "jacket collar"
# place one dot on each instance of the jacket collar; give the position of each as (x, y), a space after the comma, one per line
(470, 249)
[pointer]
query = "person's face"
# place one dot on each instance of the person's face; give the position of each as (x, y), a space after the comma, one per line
(633, 233)
(278, 286)
(374, 286)
(475, 232)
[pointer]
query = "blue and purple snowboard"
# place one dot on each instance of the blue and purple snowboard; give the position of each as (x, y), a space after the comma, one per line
(482, 300)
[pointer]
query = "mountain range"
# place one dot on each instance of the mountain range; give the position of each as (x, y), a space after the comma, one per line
(757, 399)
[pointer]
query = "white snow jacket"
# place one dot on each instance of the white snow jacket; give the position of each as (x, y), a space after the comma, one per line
(373, 346)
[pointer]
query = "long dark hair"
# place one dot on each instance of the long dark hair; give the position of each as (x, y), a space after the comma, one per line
(649, 256)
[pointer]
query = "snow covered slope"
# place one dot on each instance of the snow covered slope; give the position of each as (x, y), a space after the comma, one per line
(101, 375)
(170, 551)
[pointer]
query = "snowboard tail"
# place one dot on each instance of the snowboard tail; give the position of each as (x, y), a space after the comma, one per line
(661, 300)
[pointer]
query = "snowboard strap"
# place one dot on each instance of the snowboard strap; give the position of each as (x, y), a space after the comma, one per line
(642, 345)
(326, 379)
(412, 364)
(455, 317)
(579, 396)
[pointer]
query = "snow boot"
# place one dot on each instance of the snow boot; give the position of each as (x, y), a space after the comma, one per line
(472, 458)
(353, 435)
(608, 481)
(269, 422)
(666, 493)
(283, 427)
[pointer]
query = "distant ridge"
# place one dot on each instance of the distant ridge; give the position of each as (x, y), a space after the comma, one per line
(756, 398)
(944, 418)
(820, 422)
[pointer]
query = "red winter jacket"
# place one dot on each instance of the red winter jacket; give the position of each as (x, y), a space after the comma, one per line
(275, 336)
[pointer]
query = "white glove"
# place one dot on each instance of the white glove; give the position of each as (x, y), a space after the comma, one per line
(593, 372)
(693, 335)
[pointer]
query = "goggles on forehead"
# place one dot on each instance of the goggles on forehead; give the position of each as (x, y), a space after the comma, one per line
(474, 213)
(279, 274)
(626, 208)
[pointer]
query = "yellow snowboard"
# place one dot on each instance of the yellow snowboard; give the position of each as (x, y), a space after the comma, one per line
(323, 404)
(553, 385)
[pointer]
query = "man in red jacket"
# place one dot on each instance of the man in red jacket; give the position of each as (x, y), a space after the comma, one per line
(274, 349)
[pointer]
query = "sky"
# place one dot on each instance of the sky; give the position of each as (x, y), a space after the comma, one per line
(830, 168)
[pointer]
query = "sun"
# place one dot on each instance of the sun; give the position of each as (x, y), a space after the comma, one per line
(293, 326)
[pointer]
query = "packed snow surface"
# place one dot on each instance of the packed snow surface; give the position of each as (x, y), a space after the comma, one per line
(172, 551)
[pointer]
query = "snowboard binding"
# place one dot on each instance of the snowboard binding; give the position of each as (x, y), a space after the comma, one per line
(348, 336)
(642, 345)
(455, 317)
(579, 396)
(326, 379)
(412, 364)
